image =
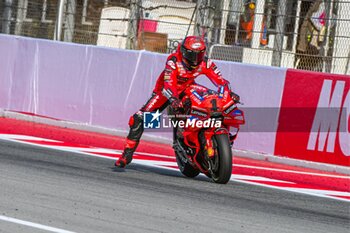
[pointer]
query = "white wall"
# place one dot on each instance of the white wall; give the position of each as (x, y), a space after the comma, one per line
(103, 87)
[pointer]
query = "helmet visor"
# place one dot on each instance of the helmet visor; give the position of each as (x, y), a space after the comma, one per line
(193, 57)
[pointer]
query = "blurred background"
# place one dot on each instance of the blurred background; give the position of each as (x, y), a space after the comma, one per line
(303, 34)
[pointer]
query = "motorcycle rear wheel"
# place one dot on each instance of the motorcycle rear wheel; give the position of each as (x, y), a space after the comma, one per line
(223, 174)
(186, 168)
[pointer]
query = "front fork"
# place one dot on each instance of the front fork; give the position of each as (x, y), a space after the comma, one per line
(210, 149)
(209, 146)
(209, 141)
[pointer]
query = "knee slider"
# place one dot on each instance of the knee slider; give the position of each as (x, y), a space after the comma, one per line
(135, 120)
(136, 126)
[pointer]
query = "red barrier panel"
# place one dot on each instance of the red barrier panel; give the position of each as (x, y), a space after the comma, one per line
(314, 118)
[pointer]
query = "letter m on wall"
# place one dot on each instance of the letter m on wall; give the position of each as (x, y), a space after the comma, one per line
(326, 121)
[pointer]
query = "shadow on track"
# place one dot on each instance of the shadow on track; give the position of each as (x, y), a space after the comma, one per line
(158, 170)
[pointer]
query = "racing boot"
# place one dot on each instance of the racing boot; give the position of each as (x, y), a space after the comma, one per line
(126, 158)
(132, 140)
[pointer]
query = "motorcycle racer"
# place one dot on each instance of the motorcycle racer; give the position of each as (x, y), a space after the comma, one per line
(181, 69)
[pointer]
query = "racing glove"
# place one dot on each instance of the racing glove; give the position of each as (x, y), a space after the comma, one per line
(175, 104)
(235, 97)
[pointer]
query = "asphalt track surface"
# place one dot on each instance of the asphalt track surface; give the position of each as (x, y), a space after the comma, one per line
(80, 193)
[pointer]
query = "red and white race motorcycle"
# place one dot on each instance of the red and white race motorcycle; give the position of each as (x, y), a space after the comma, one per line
(202, 141)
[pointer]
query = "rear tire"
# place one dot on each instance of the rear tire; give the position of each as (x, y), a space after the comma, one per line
(186, 168)
(223, 173)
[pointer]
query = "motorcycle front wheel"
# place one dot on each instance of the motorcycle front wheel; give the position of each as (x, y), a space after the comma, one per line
(222, 173)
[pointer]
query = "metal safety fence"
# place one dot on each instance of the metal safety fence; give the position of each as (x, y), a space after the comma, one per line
(303, 34)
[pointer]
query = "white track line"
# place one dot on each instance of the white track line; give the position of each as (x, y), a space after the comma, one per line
(325, 192)
(16, 137)
(159, 164)
(290, 171)
(34, 225)
(258, 178)
(294, 190)
(117, 152)
(26, 137)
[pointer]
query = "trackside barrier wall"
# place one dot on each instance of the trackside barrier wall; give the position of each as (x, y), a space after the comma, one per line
(314, 118)
(102, 87)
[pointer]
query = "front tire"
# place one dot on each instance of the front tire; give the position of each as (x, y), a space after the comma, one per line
(223, 173)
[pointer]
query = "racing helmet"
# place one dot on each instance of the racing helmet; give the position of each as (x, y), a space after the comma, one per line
(193, 51)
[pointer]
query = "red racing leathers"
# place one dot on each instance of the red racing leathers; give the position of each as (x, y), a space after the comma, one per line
(171, 82)
(175, 78)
